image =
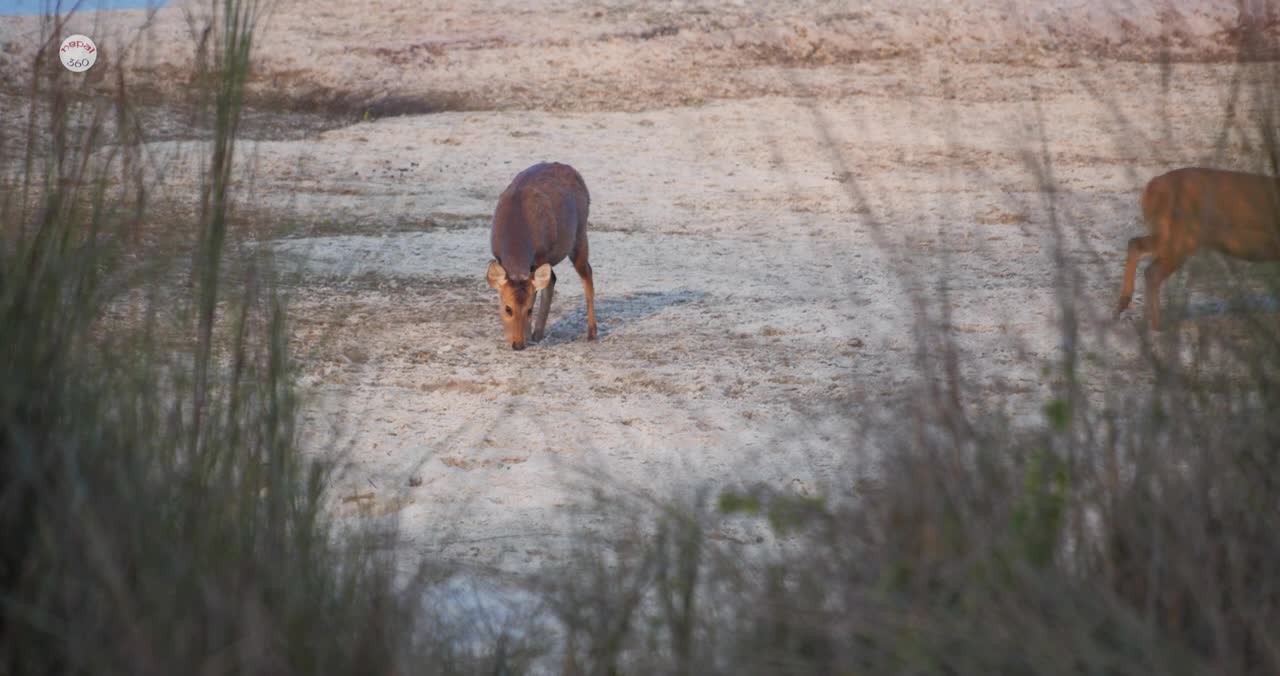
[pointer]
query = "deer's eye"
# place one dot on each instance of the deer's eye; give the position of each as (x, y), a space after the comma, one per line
(530, 311)
(509, 311)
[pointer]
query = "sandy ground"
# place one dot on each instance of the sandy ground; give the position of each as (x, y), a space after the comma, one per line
(772, 187)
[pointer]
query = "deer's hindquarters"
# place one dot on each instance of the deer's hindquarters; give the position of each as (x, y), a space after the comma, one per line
(1190, 209)
(1171, 241)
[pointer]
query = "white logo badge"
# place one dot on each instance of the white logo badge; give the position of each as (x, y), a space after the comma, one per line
(78, 53)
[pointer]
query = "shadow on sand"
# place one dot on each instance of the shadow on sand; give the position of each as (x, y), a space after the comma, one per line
(1253, 303)
(612, 313)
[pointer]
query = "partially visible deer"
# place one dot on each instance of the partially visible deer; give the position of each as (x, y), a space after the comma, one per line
(1189, 209)
(540, 219)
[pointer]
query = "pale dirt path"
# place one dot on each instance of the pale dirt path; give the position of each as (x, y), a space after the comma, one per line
(747, 257)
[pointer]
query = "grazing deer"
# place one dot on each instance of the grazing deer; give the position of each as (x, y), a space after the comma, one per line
(540, 219)
(1191, 209)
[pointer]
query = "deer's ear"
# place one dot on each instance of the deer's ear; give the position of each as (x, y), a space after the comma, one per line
(496, 274)
(542, 277)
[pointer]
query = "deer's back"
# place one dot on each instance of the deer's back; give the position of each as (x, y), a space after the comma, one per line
(539, 218)
(1234, 212)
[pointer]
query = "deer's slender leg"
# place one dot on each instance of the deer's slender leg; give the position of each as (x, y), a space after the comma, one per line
(1156, 273)
(579, 258)
(540, 321)
(1138, 247)
(528, 319)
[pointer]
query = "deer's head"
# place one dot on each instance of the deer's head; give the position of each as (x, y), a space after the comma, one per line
(516, 300)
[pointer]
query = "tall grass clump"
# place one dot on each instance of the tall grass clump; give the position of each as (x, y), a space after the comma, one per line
(156, 516)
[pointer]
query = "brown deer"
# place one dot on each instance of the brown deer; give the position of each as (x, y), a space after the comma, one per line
(1189, 209)
(540, 219)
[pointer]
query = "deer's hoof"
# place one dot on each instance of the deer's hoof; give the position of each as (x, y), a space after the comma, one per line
(1123, 304)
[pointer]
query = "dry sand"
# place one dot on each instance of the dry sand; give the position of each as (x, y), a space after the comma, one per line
(772, 185)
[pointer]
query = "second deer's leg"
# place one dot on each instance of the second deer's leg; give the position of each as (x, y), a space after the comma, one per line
(544, 308)
(1138, 247)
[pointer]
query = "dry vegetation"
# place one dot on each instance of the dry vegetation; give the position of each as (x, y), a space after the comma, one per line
(858, 403)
